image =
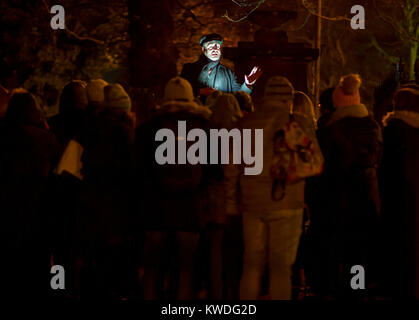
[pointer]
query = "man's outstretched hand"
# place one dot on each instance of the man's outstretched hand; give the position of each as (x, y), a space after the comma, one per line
(253, 76)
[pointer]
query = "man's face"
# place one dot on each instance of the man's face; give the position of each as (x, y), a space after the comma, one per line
(212, 50)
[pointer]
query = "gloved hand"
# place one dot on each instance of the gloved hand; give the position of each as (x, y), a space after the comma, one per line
(253, 76)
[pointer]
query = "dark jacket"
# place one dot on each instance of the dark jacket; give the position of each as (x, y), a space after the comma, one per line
(351, 144)
(400, 193)
(173, 195)
(108, 168)
(28, 153)
(221, 78)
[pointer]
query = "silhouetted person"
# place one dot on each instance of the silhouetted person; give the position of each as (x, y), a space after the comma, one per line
(351, 145)
(173, 196)
(400, 194)
(70, 121)
(28, 153)
(105, 215)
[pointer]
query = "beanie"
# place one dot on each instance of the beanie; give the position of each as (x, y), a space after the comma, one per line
(279, 88)
(178, 89)
(116, 97)
(347, 92)
(95, 91)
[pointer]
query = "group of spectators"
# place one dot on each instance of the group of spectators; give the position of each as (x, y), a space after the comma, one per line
(128, 227)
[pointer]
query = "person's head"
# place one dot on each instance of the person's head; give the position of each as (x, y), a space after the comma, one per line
(326, 102)
(245, 101)
(211, 46)
(73, 97)
(95, 92)
(116, 98)
(178, 89)
(4, 100)
(406, 99)
(278, 89)
(211, 100)
(24, 109)
(226, 111)
(302, 104)
(347, 91)
(178, 96)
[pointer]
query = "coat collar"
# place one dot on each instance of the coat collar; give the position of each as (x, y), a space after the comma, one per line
(353, 111)
(409, 117)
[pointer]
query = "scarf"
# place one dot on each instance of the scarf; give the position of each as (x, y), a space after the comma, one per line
(208, 71)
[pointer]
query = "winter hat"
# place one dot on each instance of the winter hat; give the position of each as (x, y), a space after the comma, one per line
(245, 101)
(95, 90)
(406, 99)
(116, 97)
(347, 91)
(178, 89)
(279, 88)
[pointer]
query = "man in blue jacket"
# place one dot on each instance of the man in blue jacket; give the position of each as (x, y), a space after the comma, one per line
(208, 74)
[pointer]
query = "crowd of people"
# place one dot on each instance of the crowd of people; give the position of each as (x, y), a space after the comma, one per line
(127, 227)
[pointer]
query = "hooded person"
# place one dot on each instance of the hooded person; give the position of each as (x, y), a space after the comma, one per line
(28, 153)
(95, 95)
(173, 194)
(352, 144)
(245, 102)
(400, 193)
(104, 224)
(260, 212)
(303, 105)
(70, 121)
(208, 74)
(224, 255)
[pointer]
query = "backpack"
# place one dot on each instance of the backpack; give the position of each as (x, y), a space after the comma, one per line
(296, 156)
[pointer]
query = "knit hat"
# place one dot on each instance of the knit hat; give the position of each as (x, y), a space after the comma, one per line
(95, 91)
(347, 92)
(279, 88)
(178, 89)
(116, 97)
(210, 37)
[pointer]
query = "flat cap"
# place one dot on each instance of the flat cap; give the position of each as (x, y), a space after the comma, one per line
(211, 37)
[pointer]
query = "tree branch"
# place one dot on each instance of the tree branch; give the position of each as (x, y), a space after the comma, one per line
(339, 18)
(191, 14)
(375, 44)
(245, 16)
(70, 32)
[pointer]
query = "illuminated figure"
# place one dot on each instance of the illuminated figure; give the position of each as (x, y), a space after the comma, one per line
(208, 74)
